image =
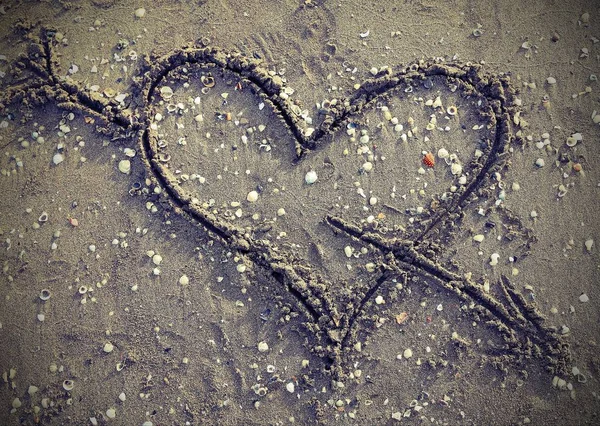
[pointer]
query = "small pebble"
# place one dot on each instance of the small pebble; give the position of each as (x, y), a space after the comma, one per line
(379, 300)
(479, 238)
(585, 18)
(367, 167)
(263, 347)
(184, 280)
(408, 353)
(584, 298)
(122, 397)
(281, 212)
(157, 259)
(311, 177)
(140, 13)
(16, 403)
(252, 196)
(111, 413)
(108, 347)
(290, 387)
(540, 162)
(551, 80)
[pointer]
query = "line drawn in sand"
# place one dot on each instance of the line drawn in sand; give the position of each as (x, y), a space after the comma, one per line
(334, 325)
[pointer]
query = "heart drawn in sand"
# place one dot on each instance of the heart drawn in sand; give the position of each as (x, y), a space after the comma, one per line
(242, 162)
(332, 305)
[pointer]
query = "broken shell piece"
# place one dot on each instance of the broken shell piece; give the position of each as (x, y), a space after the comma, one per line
(443, 153)
(207, 81)
(589, 244)
(45, 294)
(494, 259)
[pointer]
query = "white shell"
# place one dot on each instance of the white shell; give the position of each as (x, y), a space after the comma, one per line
(311, 177)
(166, 92)
(443, 153)
(45, 294)
(494, 259)
(58, 158)
(125, 166)
(456, 169)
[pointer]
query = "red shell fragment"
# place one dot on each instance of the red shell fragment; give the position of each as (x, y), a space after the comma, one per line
(429, 160)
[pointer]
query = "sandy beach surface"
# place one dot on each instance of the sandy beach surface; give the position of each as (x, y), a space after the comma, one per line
(299, 212)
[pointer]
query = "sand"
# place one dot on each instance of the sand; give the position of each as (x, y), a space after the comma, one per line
(367, 296)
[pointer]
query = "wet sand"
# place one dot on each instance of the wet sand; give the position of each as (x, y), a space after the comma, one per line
(304, 213)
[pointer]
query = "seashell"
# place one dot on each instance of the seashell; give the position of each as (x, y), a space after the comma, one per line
(311, 177)
(429, 159)
(43, 217)
(171, 107)
(443, 153)
(164, 157)
(68, 385)
(452, 110)
(571, 141)
(82, 289)
(166, 92)
(207, 81)
(456, 169)
(45, 294)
